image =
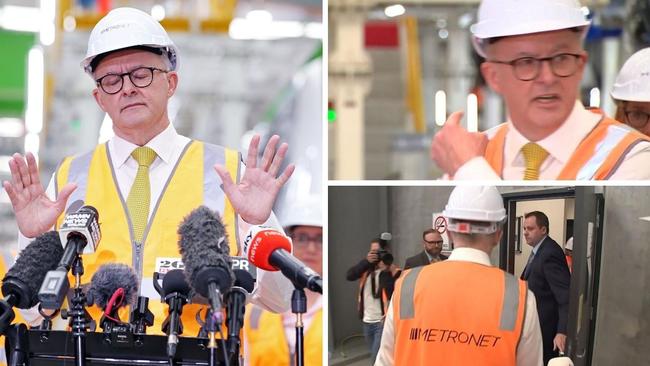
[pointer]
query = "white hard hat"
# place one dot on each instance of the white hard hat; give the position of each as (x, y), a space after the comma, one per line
(474, 203)
(500, 18)
(128, 27)
(306, 212)
(633, 81)
(569, 244)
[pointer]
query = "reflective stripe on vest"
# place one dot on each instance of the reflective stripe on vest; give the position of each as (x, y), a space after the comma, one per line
(458, 313)
(266, 342)
(190, 185)
(598, 155)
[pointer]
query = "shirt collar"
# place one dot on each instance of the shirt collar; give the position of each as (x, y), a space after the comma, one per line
(162, 144)
(562, 143)
(470, 255)
(536, 247)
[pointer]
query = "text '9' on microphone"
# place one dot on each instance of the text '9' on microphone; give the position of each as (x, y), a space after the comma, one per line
(80, 233)
(205, 253)
(270, 250)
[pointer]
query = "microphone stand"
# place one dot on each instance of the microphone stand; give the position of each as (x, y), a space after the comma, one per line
(17, 345)
(299, 307)
(79, 317)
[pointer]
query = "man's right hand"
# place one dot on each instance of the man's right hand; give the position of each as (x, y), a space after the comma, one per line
(454, 146)
(372, 257)
(35, 212)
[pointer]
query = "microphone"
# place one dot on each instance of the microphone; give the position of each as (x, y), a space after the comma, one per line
(204, 250)
(270, 250)
(78, 230)
(176, 292)
(236, 306)
(21, 283)
(113, 286)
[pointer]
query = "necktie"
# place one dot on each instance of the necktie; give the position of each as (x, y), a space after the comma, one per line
(534, 155)
(140, 194)
(527, 268)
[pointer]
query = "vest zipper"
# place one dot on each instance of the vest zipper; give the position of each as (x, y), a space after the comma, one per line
(137, 260)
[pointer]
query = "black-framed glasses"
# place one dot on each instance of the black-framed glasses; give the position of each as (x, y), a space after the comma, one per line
(436, 242)
(528, 68)
(141, 77)
(304, 239)
(636, 119)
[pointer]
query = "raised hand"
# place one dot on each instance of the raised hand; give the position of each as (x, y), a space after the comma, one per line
(454, 146)
(254, 195)
(35, 212)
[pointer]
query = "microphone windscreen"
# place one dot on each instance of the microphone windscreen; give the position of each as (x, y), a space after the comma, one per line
(110, 277)
(244, 280)
(40, 256)
(203, 245)
(174, 281)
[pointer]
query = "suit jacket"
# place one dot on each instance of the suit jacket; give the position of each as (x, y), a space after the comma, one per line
(549, 279)
(419, 260)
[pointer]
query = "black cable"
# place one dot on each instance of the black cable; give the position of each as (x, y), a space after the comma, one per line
(226, 361)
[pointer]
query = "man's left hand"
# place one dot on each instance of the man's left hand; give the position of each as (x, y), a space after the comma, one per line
(559, 342)
(253, 197)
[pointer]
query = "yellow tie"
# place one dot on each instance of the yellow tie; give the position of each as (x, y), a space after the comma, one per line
(140, 194)
(534, 155)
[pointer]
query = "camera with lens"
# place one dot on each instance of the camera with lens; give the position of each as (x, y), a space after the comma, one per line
(385, 256)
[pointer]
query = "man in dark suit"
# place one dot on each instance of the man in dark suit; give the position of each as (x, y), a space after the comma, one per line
(548, 278)
(432, 244)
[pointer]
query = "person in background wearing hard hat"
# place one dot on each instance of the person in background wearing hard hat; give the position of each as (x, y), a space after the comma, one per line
(568, 253)
(535, 60)
(432, 245)
(376, 275)
(548, 277)
(463, 311)
(147, 178)
(270, 338)
(631, 91)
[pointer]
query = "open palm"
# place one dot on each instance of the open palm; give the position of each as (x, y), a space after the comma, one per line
(253, 197)
(35, 212)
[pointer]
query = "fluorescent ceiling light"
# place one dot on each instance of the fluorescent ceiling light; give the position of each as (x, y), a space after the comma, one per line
(394, 10)
(20, 18)
(245, 29)
(11, 127)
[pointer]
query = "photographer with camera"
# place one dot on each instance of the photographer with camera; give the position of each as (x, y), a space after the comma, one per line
(376, 275)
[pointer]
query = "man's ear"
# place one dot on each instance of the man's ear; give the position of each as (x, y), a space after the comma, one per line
(99, 101)
(489, 72)
(172, 79)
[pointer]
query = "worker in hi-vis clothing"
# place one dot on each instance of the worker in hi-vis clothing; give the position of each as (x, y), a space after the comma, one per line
(463, 311)
(146, 178)
(534, 59)
(631, 91)
(270, 338)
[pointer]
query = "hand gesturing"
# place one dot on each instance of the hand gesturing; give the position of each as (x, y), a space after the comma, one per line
(253, 197)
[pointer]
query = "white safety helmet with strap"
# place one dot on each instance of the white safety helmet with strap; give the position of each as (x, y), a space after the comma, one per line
(633, 81)
(124, 28)
(474, 210)
(502, 18)
(306, 212)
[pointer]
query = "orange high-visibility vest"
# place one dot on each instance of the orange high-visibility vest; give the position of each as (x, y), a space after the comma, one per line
(597, 156)
(458, 313)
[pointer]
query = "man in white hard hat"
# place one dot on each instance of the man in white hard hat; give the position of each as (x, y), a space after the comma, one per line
(463, 311)
(631, 91)
(270, 338)
(147, 178)
(535, 60)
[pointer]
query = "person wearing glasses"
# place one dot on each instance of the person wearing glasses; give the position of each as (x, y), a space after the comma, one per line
(147, 178)
(270, 339)
(534, 59)
(631, 92)
(432, 245)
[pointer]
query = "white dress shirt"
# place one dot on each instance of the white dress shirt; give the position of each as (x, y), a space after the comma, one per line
(560, 145)
(272, 290)
(529, 350)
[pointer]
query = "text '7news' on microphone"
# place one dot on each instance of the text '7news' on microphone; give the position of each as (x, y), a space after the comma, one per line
(80, 233)
(270, 250)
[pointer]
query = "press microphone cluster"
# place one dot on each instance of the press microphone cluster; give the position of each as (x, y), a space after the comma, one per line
(270, 250)
(21, 283)
(80, 232)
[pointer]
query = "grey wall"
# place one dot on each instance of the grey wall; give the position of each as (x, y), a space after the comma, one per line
(623, 320)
